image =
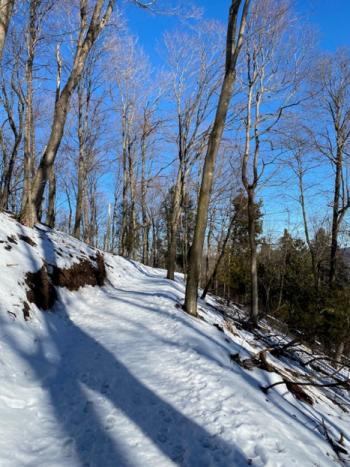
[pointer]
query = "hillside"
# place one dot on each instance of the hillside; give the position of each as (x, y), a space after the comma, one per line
(118, 375)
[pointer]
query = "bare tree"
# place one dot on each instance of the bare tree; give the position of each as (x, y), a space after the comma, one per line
(88, 33)
(37, 13)
(149, 125)
(271, 86)
(235, 31)
(302, 163)
(88, 128)
(16, 122)
(195, 76)
(332, 78)
(130, 71)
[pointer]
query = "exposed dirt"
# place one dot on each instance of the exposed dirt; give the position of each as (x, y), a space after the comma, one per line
(41, 284)
(12, 239)
(40, 289)
(27, 239)
(26, 311)
(80, 274)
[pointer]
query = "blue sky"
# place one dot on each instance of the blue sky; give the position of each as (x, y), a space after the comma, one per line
(329, 18)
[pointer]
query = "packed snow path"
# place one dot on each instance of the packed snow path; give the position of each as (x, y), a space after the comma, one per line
(120, 376)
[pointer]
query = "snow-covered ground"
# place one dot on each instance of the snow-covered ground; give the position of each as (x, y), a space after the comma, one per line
(120, 376)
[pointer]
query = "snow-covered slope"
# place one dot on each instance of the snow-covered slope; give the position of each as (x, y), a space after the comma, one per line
(119, 376)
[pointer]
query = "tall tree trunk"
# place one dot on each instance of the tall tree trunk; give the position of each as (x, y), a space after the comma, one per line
(81, 188)
(29, 156)
(80, 196)
(335, 216)
(233, 46)
(155, 243)
(107, 237)
(145, 220)
(70, 215)
(305, 222)
(254, 311)
(5, 194)
(10, 160)
(6, 7)
(207, 257)
(132, 209)
(86, 234)
(51, 211)
(173, 225)
(212, 277)
(123, 228)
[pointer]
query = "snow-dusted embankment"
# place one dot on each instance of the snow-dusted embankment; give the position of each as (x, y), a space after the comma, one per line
(119, 376)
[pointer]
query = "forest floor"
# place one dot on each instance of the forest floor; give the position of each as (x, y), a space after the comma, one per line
(118, 375)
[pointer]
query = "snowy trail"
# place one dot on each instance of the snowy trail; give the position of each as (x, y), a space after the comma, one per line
(119, 376)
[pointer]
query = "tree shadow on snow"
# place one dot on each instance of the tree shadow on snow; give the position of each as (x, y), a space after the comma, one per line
(82, 365)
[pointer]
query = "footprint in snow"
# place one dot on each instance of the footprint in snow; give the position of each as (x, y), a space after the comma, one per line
(111, 421)
(105, 389)
(178, 454)
(162, 437)
(165, 416)
(68, 447)
(88, 406)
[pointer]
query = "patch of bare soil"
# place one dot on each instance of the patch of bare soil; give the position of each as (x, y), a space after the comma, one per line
(80, 274)
(40, 289)
(27, 239)
(26, 311)
(41, 284)
(12, 239)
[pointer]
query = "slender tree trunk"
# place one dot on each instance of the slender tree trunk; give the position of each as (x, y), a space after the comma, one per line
(335, 217)
(5, 194)
(339, 352)
(80, 196)
(81, 188)
(145, 220)
(29, 156)
(282, 277)
(51, 212)
(212, 277)
(173, 225)
(306, 227)
(233, 47)
(107, 237)
(69, 210)
(93, 226)
(9, 168)
(253, 259)
(123, 228)
(10, 161)
(132, 209)
(86, 234)
(207, 257)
